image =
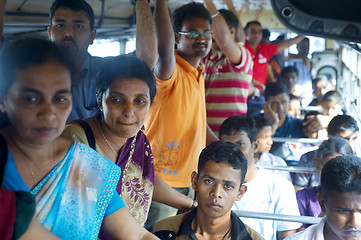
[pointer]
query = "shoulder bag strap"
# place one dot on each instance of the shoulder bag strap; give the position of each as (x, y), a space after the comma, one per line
(88, 132)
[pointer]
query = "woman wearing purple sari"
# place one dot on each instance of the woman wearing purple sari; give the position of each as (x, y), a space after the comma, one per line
(125, 91)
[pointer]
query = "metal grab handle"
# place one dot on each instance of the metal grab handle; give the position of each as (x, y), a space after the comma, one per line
(278, 217)
(289, 168)
(297, 140)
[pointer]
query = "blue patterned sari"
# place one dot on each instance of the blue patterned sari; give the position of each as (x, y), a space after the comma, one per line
(73, 198)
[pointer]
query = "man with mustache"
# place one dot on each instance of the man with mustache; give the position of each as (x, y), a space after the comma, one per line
(176, 124)
(228, 69)
(218, 184)
(340, 200)
(72, 25)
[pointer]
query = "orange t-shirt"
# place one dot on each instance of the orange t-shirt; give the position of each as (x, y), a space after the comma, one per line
(176, 124)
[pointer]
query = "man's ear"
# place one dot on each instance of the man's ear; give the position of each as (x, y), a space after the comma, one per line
(49, 32)
(176, 38)
(194, 180)
(93, 35)
(255, 146)
(233, 31)
(321, 201)
(99, 102)
(241, 192)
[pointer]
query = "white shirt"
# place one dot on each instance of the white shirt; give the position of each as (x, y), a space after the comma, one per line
(268, 159)
(313, 232)
(269, 193)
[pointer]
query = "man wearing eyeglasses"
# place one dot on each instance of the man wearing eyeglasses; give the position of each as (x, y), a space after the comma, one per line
(228, 70)
(176, 125)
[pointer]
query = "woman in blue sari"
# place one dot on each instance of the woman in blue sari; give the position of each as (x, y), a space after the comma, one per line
(74, 186)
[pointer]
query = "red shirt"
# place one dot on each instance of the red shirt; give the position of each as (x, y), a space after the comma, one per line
(260, 60)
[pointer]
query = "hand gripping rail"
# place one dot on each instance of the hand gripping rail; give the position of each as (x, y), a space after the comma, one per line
(278, 217)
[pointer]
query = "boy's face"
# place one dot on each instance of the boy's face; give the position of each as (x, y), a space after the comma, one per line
(264, 139)
(331, 108)
(243, 142)
(290, 80)
(194, 47)
(343, 215)
(218, 186)
(294, 109)
(321, 88)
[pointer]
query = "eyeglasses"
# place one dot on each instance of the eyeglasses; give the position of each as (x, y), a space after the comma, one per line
(195, 34)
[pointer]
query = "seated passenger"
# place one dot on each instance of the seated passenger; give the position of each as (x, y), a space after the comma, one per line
(343, 126)
(218, 184)
(276, 109)
(306, 198)
(320, 85)
(289, 76)
(266, 191)
(332, 104)
(294, 109)
(264, 138)
(74, 186)
(340, 200)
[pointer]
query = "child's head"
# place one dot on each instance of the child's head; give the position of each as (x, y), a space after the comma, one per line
(264, 134)
(294, 107)
(331, 148)
(242, 131)
(332, 104)
(344, 126)
(321, 85)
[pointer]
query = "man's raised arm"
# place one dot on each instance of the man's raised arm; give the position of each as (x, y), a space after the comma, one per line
(288, 43)
(146, 39)
(223, 36)
(166, 61)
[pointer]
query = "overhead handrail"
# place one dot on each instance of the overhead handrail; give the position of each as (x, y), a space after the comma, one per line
(297, 140)
(278, 217)
(295, 169)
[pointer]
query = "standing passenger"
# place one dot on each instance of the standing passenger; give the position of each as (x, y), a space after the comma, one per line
(176, 125)
(227, 68)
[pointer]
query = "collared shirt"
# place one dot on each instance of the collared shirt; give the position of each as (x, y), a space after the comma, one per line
(314, 232)
(180, 227)
(83, 88)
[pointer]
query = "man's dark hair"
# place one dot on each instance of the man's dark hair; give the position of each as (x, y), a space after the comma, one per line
(330, 147)
(230, 18)
(126, 67)
(188, 11)
(224, 152)
(274, 89)
(251, 22)
(341, 174)
(320, 78)
(24, 53)
(332, 96)
(289, 69)
(75, 5)
(341, 123)
(262, 122)
(237, 124)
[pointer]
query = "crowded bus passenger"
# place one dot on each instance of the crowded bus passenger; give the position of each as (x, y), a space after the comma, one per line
(320, 85)
(307, 197)
(125, 91)
(343, 126)
(289, 76)
(340, 200)
(218, 183)
(266, 191)
(227, 70)
(262, 156)
(332, 104)
(73, 185)
(294, 109)
(176, 125)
